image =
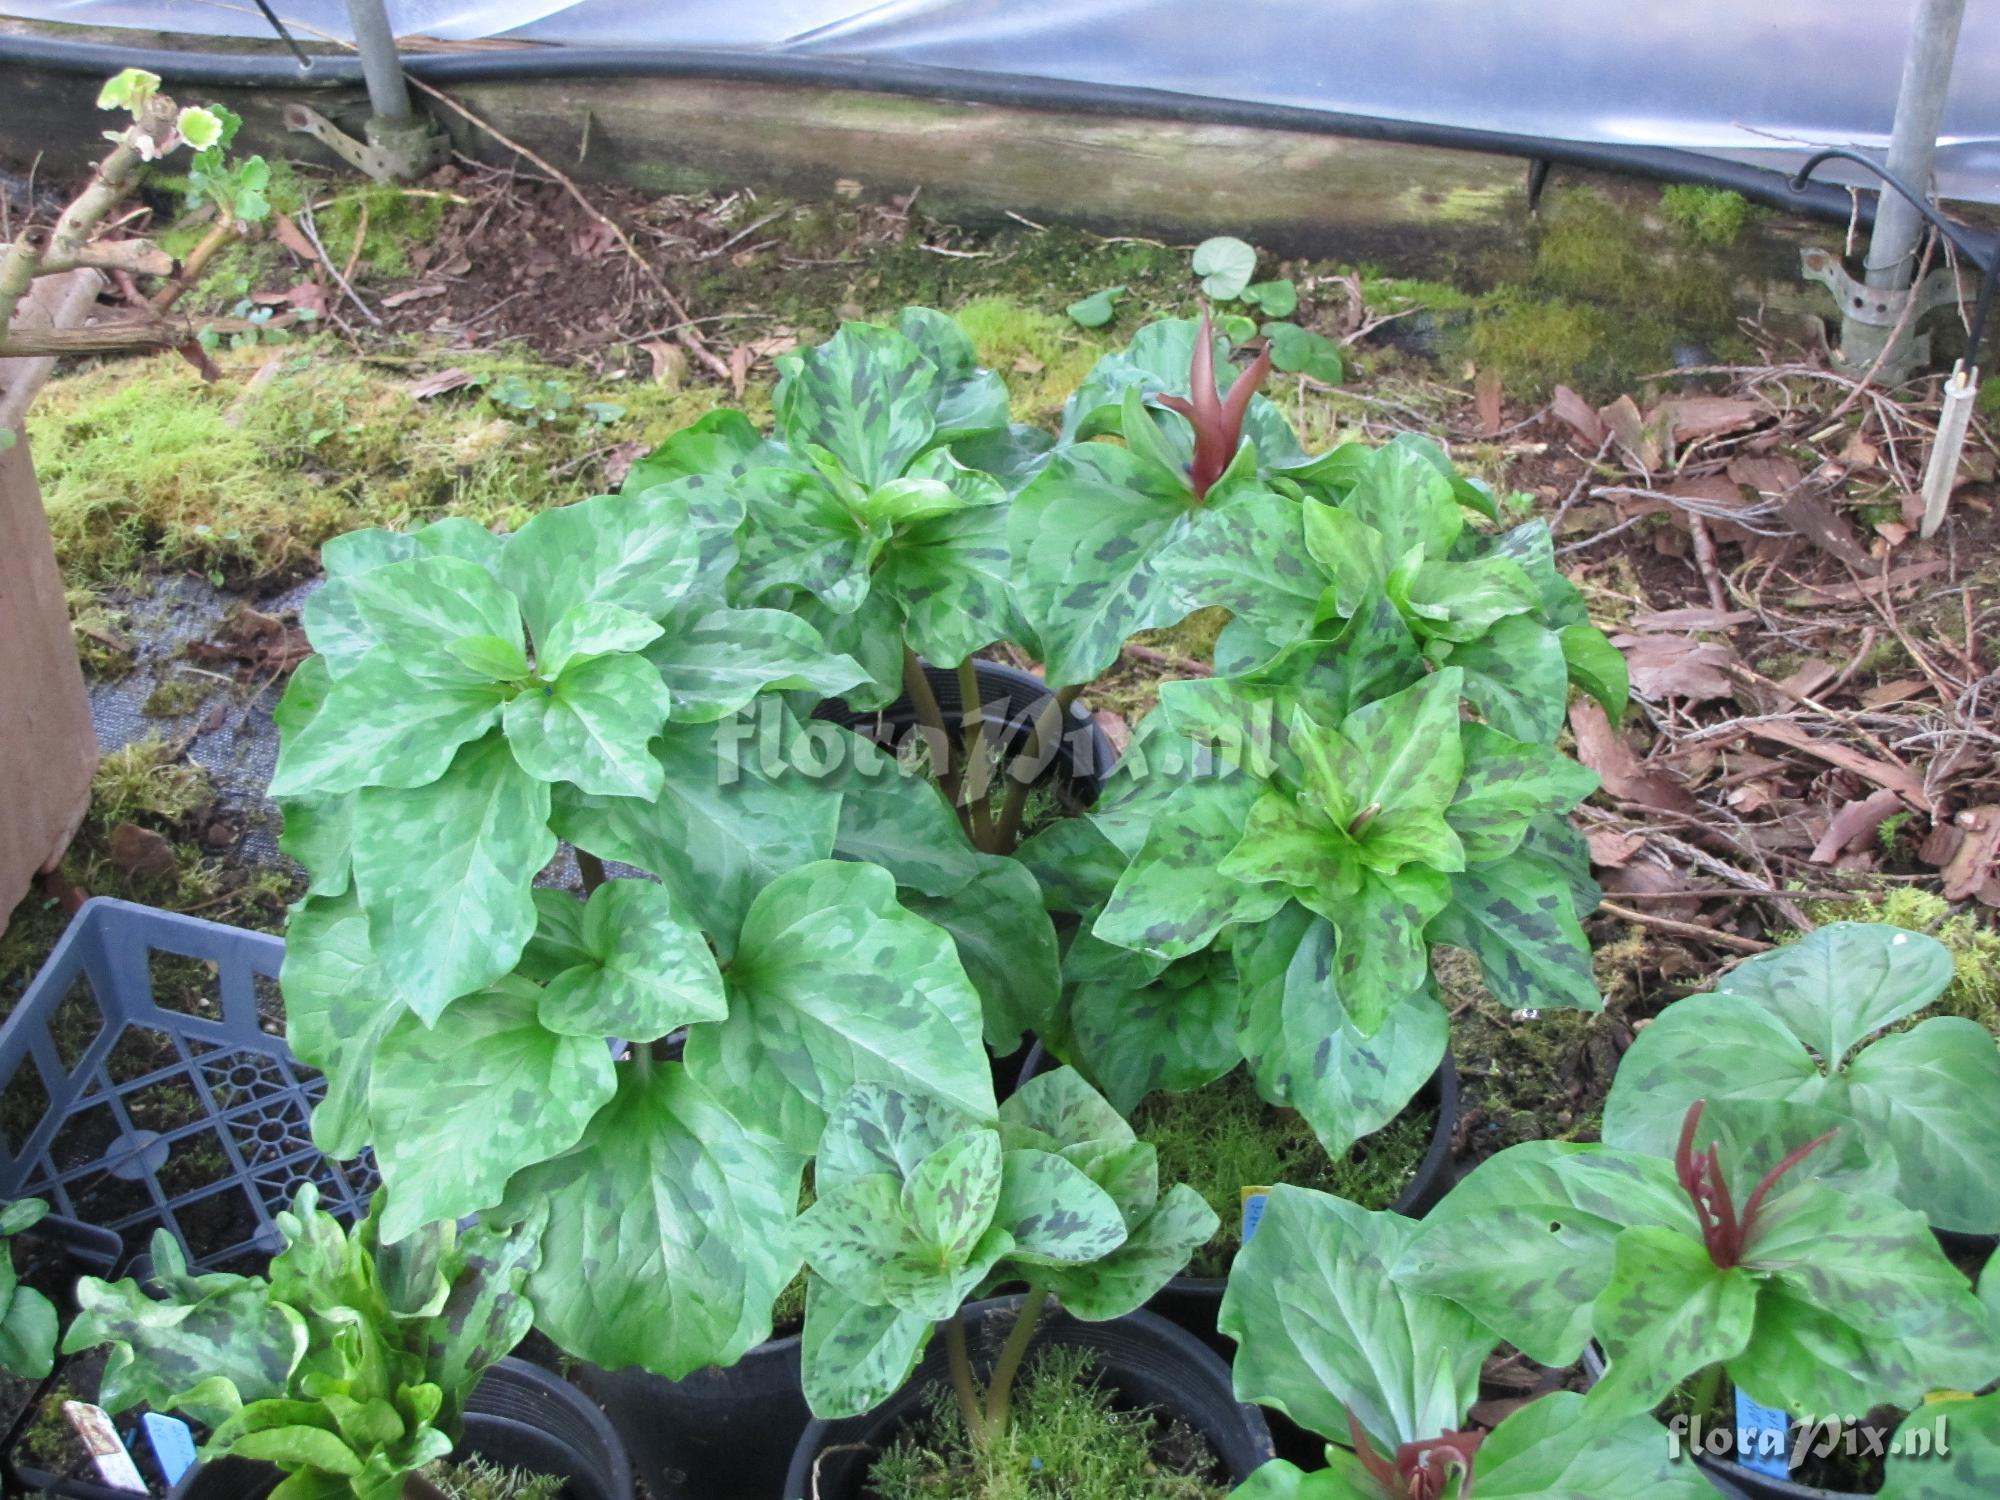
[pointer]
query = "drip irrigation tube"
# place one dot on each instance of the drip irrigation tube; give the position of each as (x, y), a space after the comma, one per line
(1771, 188)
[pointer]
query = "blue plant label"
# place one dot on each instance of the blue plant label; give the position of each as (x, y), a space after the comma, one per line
(1762, 1438)
(172, 1444)
(1254, 1199)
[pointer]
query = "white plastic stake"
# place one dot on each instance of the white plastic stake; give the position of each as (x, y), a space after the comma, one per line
(1960, 391)
(106, 1449)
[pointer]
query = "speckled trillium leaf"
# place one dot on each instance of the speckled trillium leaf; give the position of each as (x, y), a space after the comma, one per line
(855, 1355)
(1321, 1330)
(1923, 1104)
(1306, 1051)
(947, 575)
(720, 830)
(1006, 943)
(1527, 1239)
(486, 1311)
(444, 872)
(319, 830)
(339, 1002)
(967, 400)
(1557, 1446)
(590, 726)
(666, 1242)
(1505, 785)
(1925, 1470)
(217, 1326)
(458, 1108)
(867, 396)
(1519, 915)
(383, 725)
(1135, 1027)
(647, 971)
(1086, 535)
(1517, 678)
(1244, 551)
(1667, 1312)
(714, 661)
(833, 984)
(638, 552)
(1053, 1212)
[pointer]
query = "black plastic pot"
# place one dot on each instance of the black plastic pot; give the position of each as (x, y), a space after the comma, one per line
(519, 1415)
(1146, 1361)
(1194, 1301)
(719, 1432)
(1011, 699)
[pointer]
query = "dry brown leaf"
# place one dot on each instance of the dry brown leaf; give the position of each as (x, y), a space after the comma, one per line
(141, 852)
(1855, 593)
(1677, 666)
(669, 363)
(1896, 690)
(422, 292)
(1606, 752)
(1639, 439)
(1808, 678)
(1575, 412)
(1486, 396)
(1854, 824)
(1611, 848)
(1972, 866)
(739, 369)
(1693, 417)
(290, 236)
(1896, 778)
(1115, 728)
(1692, 619)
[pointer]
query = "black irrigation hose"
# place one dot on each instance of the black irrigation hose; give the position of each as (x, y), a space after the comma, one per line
(1818, 200)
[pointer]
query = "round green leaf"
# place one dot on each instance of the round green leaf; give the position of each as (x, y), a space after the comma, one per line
(1225, 265)
(1300, 351)
(1097, 309)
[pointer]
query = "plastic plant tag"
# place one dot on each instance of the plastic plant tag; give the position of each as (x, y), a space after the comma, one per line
(1254, 1199)
(1761, 1433)
(172, 1444)
(101, 1441)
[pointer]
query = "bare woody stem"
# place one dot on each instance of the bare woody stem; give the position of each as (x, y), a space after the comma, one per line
(197, 261)
(960, 1360)
(1000, 1384)
(1045, 734)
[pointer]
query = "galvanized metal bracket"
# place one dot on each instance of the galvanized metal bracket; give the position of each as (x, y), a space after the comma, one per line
(1869, 315)
(395, 151)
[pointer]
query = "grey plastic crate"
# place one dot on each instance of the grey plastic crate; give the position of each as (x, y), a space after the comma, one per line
(145, 1083)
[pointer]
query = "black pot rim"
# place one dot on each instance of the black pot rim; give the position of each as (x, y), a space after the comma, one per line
(1183, 1345)
(1426, 1186)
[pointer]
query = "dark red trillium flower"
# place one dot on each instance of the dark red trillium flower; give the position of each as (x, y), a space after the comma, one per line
(1218, 423)
(1723, 1231)
(1421, 1470)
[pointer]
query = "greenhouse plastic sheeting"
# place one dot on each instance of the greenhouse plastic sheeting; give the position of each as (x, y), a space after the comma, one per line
(1750, 80)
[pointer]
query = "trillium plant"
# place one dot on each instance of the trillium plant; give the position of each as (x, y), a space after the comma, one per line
(922, 1208)
(783, 926)
(27, 1318)
(1388, 1374)
(1748, 1253)
(348, 1367)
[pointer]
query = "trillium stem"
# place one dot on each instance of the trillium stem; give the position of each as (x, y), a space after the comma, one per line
(1000, 1385)
(1706, 1388)
(416, 1487)
(962, 1382)
(1046, 732)
(930, 719)
(972, 771)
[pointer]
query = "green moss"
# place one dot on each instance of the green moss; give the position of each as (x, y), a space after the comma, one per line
(398, 218)
(145, 783)
(49, 1442)
(1043, 356)
(1223, 1138)
(172, 698)
(1066, 1439)
(1384, 293)
(1706, 215)
(1973, 942)
(102, 643)
(145, 465)
(1537, 342)
(1989, 396)
(475, 1478)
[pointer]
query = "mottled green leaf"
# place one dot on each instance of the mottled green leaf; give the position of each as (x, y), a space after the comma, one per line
(1526, 1239)
(1134, 1029)
(1353, 556)
(590, 727)
(339, 1001)
(1302, 351)
(1931, 1097)
(1506, 783)
(492, 1083)
(1843, 981)
(720, 830)
(1598, 667)
(1344, 1478)
(967, 400)
(1667, 1312)
(1157, 1246)
(593, 629)
(444, 871)
(649, 970)
(855, 1355)
(1461, 601)
(1244, 552)
(714, 661)
(1086, 536)
(1305, 1049)
(558, 941)
(1322, 1331)
(1925, 1471)
(1400, 491)
(948, 580)
(898, 820)
(1175, 896)
(802, 534)
(1381, 955)
(636, 550)
(834, 984)
(1516, 678)
(1073, 863)
(1518, 915)
(1560, 1447)
(414, 610)
(722, 445)
(1005, 942)
(384, 726)
(666, 1242)
(1053, 1212)
(877, 1129)
(866, 395)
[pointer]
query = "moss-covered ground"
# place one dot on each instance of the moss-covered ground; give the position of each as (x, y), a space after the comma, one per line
(1224, 1138)
(1066, 1439)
